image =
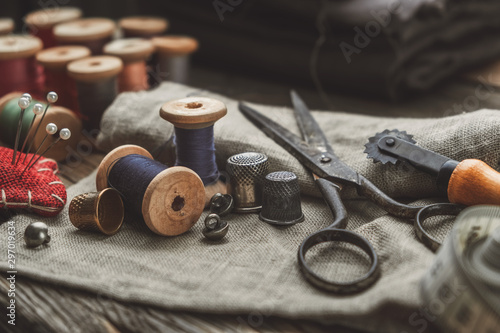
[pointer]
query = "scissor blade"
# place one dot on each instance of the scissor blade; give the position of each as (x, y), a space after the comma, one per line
(311, 157)
(311, 132)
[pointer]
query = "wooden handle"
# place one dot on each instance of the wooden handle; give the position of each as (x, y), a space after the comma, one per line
(474, 183)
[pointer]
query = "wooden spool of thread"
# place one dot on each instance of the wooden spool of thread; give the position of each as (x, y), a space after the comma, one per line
(170, 200)
(194, 119)
(172, 57)
(96, 85)
(61, 116)
(6, 26)
(18, 66)
(143, 26)
(42, 22)
(55, 61)
(133, 52)
(93, 33)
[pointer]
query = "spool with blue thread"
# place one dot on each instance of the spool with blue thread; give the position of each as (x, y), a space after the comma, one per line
(193, 119)
(171, 200)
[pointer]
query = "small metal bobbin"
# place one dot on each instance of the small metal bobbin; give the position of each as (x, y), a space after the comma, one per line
(215, 231)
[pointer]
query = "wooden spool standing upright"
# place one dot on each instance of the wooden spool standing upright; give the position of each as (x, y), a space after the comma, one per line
(133, 52)
(172, 57)
(61, 116)
(196, 113)
(6, 26)
(96, 84)
(93, 33)
(143, 26)
(174, 200)
(55, 61)
(42, 22)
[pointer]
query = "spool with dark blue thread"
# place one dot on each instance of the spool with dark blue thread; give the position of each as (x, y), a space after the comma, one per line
(195, 149)
(193, 119)
(170, 200)
(131, 175)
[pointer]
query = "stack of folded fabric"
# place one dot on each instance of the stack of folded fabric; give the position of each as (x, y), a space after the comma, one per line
(385, 48)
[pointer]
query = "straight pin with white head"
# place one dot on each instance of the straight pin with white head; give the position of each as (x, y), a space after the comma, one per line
(37, 110)
(50, 129)
(51, 99)
(23, 103)
(64, 134)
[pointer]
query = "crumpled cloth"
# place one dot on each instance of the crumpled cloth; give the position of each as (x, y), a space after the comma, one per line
(254, 270)
(381, 48)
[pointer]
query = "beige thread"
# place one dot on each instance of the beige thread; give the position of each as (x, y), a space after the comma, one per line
(4, 199)
(56, 183)
(44, 169)
(29, 199)
(58, 198)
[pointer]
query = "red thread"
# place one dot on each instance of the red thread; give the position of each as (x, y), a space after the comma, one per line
(24, 75)
(38, 189)
(46, 35)
(134, 77)
(60, 82)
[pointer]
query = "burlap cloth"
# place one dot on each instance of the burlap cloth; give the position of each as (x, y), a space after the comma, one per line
(254, 271)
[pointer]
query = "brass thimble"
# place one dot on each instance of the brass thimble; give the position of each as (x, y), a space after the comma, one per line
(97, 211)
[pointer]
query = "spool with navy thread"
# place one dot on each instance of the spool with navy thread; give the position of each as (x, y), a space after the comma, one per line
(193, 119)
(170, 200)
(195, 149)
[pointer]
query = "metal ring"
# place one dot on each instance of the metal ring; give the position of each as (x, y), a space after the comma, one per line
(430, 211)
(332, 235)
(221, 204)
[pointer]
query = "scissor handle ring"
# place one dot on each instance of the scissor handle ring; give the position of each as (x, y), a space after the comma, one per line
(339, 235)
(430, 211)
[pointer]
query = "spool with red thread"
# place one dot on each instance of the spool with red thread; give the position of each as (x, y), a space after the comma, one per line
(172, 56)
(93, 33)
(143, 26)
(42, 22)
(18, 66)
(55, 60)
(97, 86)
(61, 116)
(6, 26)
(133, 52)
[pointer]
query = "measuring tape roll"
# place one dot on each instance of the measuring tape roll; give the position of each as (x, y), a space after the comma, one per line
(461, 290)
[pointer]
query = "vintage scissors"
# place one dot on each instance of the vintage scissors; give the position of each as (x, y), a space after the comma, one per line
(331, 175)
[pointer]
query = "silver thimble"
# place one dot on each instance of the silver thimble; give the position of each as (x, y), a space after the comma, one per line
(247, 171)
(281, 199)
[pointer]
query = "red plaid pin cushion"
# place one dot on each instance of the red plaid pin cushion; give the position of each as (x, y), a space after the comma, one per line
(38, 189)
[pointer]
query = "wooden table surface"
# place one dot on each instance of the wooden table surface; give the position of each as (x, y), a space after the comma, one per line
(51, 308)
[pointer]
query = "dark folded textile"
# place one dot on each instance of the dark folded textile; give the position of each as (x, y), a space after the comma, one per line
(384, 48)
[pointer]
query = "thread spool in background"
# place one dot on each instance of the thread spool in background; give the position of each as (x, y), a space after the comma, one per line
(6, 26)
(133, 52)
(170, 203)
(42, 22)
(194, 119)
(54, 60)
(93, 33)
(62, 117)
(96, 82)
(172, 57)
(18, 66)
(460, 290)
(143, 26)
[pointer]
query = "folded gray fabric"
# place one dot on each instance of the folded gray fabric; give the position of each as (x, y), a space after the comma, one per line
(254, 271)
(388, 48)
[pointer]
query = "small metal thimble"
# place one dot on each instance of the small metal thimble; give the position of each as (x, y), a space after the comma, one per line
(97, 211)
(247, 171)
(281, 199)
